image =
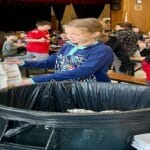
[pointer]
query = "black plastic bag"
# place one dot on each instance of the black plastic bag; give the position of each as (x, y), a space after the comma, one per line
(44, 107)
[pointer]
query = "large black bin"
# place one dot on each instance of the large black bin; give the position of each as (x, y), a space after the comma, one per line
(36, 117)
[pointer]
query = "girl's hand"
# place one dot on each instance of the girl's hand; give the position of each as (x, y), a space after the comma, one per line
(28, 81)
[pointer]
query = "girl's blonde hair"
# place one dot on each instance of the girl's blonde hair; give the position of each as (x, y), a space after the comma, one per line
(86, 24)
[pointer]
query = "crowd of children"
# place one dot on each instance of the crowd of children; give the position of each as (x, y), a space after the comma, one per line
(82, 58)
(81, 48)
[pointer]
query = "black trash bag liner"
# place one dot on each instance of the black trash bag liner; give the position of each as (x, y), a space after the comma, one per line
(42, 109)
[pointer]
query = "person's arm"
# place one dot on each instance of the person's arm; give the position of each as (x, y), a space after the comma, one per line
(41, 40)
(46, 63)
(94, 63)
(34, 36)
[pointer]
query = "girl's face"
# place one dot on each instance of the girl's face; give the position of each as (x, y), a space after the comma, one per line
(80, 36)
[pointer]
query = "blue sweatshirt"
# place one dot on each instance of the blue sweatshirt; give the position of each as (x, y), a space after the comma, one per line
(91, 61)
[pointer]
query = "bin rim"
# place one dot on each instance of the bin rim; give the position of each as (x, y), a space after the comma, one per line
(65, 119)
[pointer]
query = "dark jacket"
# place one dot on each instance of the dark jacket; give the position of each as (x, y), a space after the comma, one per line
(120, 52)
(145, 51)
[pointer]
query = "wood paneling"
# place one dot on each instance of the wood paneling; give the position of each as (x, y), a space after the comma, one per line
(136, 14)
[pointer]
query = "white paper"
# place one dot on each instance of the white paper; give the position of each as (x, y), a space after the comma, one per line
(142, 141)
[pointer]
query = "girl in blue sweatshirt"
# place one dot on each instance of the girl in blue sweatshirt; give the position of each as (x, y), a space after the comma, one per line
(83, 57)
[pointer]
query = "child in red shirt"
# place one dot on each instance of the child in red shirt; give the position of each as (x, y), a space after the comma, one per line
(38, 41)
(146, 67)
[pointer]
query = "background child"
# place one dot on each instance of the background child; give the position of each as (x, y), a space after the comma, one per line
(146, 67)
(10, 47)
(38, 41)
